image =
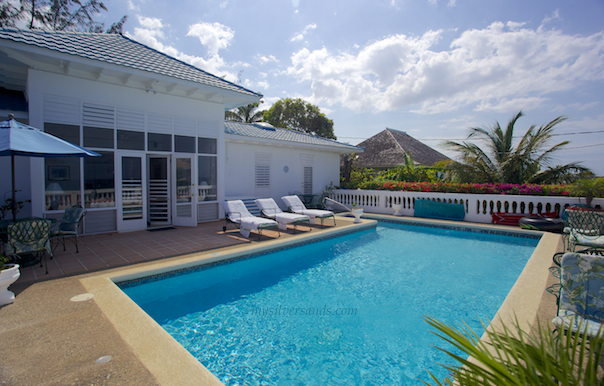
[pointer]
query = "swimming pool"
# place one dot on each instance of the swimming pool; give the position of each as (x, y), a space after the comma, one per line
(340, 310)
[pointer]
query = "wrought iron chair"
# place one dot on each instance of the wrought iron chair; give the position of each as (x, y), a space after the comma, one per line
(69, 225)
(585, 227)
(29, 236)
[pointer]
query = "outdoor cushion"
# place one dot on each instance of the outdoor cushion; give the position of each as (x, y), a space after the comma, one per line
(237, 212)
(270, 209)
(439, 210)
(295, 205)
(581, 298)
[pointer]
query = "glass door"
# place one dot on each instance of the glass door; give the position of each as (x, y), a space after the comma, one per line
(184, 191)
(158, 208)
(131, 201)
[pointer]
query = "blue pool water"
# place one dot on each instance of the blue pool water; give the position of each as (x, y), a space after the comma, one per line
(343, 311)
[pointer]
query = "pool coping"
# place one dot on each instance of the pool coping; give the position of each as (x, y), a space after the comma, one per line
(171, 364)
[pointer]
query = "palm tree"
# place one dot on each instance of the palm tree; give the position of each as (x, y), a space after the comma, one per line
(511, 356)
(507, 164)
(246, 114)
(408, 171)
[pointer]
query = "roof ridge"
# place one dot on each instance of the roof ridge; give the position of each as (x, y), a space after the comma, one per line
(186, 64)
(34, 38)
(398, 145)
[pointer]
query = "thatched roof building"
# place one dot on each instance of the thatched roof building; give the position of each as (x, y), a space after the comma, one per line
(386, 150)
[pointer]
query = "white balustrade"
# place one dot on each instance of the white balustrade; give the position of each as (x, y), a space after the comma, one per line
(479, 207)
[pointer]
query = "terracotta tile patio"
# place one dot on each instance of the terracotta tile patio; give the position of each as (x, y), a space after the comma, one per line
(110, 250)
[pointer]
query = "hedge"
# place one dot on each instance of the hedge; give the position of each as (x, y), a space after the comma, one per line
(439, 187)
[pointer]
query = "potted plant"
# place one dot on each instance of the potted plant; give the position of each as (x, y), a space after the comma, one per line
(9, 273)
(357, 213)
(588, 188)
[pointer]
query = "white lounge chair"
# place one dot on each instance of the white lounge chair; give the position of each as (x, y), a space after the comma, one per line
(295, 205)
(237, 213)
(270, 209)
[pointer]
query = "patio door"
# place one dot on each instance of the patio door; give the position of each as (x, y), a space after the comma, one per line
(158, 191)
(184, 190)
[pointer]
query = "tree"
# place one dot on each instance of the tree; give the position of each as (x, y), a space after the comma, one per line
(507, 164)
(296, 114)
(58, 15)
(246, 114)
(410, 172)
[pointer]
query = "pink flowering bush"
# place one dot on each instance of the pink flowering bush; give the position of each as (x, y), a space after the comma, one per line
(440, 187)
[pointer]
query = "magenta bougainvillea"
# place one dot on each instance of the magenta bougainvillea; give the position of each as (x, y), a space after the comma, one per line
(514, 189)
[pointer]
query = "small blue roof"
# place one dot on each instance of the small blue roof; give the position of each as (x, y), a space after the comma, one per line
(119, 50)
(264, 130)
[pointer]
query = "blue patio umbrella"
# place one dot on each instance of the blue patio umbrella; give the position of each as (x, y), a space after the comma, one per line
(19, 139)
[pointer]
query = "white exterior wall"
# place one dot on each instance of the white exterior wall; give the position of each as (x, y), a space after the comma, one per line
(240, 169)
(41, 84)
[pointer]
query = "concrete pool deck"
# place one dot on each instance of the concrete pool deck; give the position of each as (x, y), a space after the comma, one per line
(47, 339)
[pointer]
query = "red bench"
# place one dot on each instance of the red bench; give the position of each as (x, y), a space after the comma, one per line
(502, 218)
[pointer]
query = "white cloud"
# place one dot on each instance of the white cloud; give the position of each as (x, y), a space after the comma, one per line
(555, 16)
(301, 35)
(500, 67)
(214, 36)
(266, 59)
(263, 84)
(132, 6)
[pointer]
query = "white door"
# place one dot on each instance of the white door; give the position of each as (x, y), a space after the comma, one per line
(184, 190)
(158, 191)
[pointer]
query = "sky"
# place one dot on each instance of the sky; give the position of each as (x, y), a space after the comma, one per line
(430, 68)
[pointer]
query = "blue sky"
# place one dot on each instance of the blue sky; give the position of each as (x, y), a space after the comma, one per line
(432, 68)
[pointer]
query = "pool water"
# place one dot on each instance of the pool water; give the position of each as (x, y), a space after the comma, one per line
(343, 311)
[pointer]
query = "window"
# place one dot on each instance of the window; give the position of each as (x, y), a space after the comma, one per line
(206, 178)
(62, 182)
(70, 133)
(308, 180)
(159, 142)
(132, 188)
(183, 144)
(99, 182)
(263, 176)
(130, 140)
(206, 145)
(98, 137)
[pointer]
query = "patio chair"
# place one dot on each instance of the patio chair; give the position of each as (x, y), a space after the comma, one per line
(581, 303)
(270, 209)
(584, 227)
(69, 225)
(29, 236)
(237, 213)
(295, 205)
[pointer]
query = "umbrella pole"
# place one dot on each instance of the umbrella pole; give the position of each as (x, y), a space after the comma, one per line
(12, 164)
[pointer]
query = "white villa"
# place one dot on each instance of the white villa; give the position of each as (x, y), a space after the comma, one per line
(168, 157)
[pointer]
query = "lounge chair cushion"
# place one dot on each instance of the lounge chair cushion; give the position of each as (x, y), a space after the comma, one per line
(238, 213)
(570, 321)
(581, 299)
(269, 208)
(296, 206)
(586, 240)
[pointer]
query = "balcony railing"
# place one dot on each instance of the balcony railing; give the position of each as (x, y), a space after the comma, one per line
(478, 207)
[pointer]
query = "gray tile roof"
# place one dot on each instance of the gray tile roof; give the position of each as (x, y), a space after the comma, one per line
(119, 50)
(266, 131)
(387, 148)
